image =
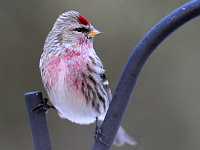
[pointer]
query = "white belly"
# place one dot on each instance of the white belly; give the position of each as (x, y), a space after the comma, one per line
(70, 104)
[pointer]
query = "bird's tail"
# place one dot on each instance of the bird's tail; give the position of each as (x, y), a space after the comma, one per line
(123, 138)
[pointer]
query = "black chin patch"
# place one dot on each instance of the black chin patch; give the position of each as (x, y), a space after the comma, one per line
(89, 37)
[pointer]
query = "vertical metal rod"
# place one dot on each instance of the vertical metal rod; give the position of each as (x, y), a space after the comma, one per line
(37, 120)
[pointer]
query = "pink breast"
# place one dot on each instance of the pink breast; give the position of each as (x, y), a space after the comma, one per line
(72, 64)
(75, 69)
(52, 71)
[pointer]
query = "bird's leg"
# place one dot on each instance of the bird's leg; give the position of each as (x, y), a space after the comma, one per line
(98, 132)
(97, 127)
(44, 106)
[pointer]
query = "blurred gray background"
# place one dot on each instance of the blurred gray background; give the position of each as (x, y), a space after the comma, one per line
(164, 113)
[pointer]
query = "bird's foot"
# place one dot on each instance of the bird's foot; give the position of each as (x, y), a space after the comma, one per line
(99, 134)
(44, 106)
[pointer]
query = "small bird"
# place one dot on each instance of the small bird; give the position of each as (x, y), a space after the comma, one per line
(73, 75)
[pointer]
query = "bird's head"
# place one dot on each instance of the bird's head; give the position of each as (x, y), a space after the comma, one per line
(71, 28)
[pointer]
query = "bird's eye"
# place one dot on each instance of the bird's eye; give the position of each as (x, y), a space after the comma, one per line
(82, 29)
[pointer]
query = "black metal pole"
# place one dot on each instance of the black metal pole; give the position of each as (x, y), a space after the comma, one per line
(139, 56)
(38, 123)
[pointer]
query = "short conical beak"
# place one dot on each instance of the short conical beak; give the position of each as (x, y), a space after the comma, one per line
(93, 33)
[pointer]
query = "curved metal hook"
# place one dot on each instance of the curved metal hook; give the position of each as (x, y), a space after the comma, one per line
(137, 59)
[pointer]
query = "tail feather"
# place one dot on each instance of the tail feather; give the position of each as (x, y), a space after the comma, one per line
(123, 138)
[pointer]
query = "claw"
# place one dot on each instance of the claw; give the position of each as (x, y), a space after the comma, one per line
(44, 106)
(99, 133)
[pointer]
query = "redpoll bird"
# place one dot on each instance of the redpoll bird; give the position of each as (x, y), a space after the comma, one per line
(73, 74)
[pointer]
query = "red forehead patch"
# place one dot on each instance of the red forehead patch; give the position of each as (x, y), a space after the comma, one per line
(83, 20)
